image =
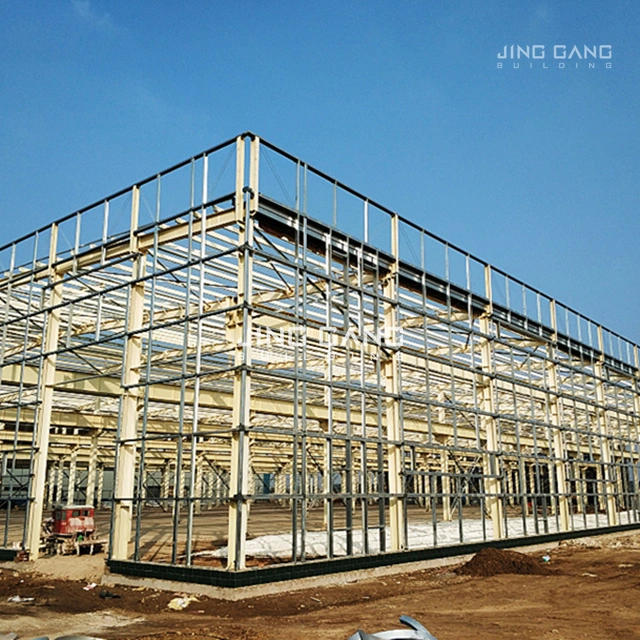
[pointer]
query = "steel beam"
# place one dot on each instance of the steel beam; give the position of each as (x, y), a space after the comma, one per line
(246, 205)
(606, 457)
(556, 422)
(491, 460)
(130, 399)
(46, 392)
(92, 468)
(391, 372)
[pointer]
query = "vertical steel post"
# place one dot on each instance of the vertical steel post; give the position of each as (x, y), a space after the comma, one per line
(128, 428)
(195, 464)
(92, 468)
(606, 458)
(391, 373)
(57, 497)
(198, 485)
(488, 419)
(634, 453)
(51, 483)
(555, 418)
(446, 486)
(47, 379)
(239, 482)
(73, 474)
(328, 399)
(164, 484)
(100, 489)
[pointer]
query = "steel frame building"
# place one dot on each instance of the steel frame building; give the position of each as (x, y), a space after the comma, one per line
(242, 334)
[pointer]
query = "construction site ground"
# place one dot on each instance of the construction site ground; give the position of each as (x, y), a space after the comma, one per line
(588, 589)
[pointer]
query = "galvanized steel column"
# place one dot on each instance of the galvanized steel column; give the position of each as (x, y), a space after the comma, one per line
(446, 485)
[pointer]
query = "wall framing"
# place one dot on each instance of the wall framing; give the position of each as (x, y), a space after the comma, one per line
(242, 345)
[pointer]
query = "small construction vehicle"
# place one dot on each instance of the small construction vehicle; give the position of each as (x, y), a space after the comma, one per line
(71, 529)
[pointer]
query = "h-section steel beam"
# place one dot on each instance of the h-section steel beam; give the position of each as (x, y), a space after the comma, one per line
(128, 429)
(246, 205)
(556, 420)
(606, 457)
(491, 459)
(46, 392)
(391, 369)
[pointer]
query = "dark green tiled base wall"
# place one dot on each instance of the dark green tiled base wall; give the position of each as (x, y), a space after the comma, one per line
(312, 568)
(7, 555)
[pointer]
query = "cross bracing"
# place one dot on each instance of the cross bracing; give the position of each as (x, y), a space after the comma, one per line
(244, 340)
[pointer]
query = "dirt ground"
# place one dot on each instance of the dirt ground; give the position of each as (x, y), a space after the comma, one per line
(586, 590)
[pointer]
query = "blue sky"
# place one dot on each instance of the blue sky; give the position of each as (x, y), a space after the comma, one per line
(535, 170)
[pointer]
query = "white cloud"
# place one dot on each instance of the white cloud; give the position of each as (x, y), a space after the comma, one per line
(95, 18)
(542, 11)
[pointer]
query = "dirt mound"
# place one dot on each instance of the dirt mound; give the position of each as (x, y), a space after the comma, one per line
(491, 562)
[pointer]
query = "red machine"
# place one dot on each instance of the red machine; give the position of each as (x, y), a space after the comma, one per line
(73, 520)
(71, 528)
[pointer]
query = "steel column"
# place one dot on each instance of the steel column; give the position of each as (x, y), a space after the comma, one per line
(608, 484)
(555, 419)
(242, 323)
(46, 392)
(491, 463)
(130, 399)
(391, 372)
